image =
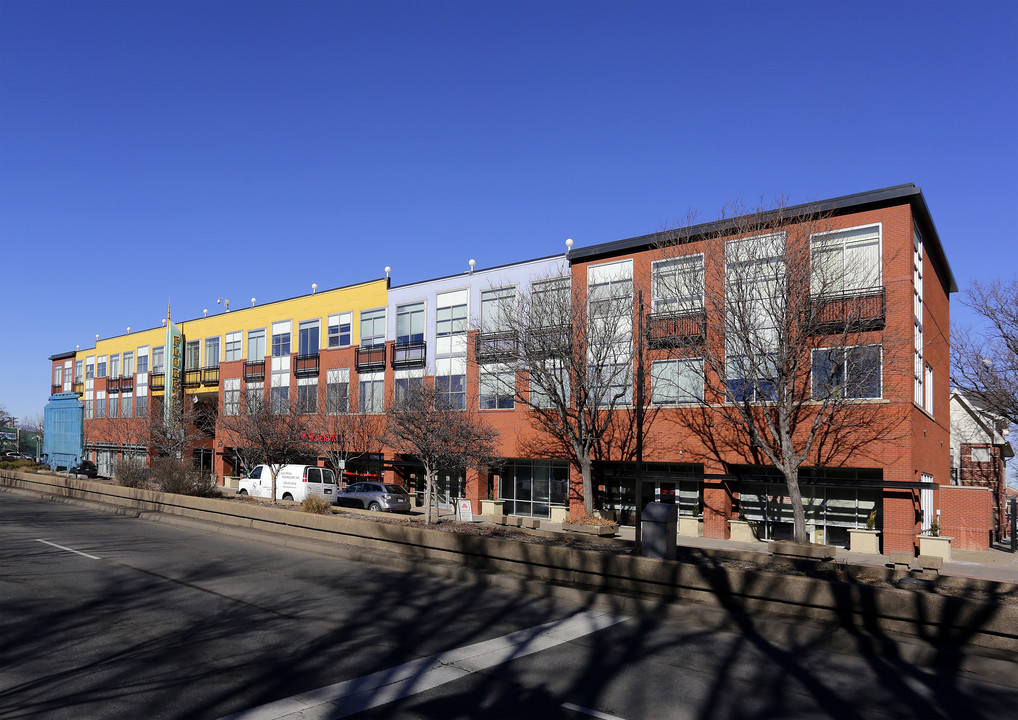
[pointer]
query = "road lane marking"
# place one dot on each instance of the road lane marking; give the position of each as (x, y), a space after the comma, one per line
(403, 681)
(76, 552)
(588, 711)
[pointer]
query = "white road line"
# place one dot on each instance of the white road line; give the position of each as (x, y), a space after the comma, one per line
(403, 681)
(588, 711)
(76, 552)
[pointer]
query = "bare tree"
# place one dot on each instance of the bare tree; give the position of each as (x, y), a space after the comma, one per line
(783, 312)
(187, 426)
(345, 436)
(575, 353)
(985, 360)
(272, 436)
(420, 423)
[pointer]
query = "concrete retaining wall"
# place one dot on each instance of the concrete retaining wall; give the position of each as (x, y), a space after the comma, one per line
(622, 582)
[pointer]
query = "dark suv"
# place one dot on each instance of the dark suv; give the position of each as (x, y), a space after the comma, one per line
(86, 468)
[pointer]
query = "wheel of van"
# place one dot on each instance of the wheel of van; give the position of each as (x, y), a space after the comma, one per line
(287, 496)
(374, 506)
(242, 492)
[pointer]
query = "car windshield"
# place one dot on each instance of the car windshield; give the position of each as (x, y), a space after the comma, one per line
(395, 489)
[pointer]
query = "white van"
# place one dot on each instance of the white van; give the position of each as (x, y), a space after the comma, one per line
(293, 482)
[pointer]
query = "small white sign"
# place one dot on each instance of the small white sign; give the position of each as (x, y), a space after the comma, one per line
(466, 511)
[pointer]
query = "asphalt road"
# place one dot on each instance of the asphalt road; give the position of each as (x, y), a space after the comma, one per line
(105, 616)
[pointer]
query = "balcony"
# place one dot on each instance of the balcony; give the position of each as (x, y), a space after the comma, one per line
(210, 376)
(157, 381)
(495, 346)
(669, 330)
(852, 311)
(56, 388)
(192, 378)
(550, 340)
(306, 365)
(409, 355)
(254, 371)
(370, 359)
(124, 383)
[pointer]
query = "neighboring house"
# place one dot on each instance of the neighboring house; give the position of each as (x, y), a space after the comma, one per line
(980, 451)
(353, 348)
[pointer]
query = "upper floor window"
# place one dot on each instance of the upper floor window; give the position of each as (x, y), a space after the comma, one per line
(89, 368)
(846, 261)
(281, 332)
(980, 454)
(143, 360)
(410, 324)
(159, 359)
(678, 380)
(550, 302)
(233, 346)
(100, 367)
(58, 375)
(497, 387)
(79, 371)
(677, 284)
(256, 345)
(115, 365)
(340, 329)
(847, 372)
(192, 355)
(212, 352)
(128, 364)
(496, 308)
(373, 328)
(451, 320)
(308, 337)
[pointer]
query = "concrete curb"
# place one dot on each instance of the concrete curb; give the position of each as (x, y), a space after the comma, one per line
(621, 583)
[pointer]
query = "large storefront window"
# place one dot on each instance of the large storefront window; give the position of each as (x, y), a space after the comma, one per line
(531, 487)
(672, 483)
(831, 509)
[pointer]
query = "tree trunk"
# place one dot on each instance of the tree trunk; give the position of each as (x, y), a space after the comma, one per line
(429, 494)
(798, 512)
(588, 483)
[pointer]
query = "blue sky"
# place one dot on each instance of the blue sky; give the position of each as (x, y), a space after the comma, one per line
(238, 149)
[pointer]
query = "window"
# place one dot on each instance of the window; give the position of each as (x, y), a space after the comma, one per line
(846, 261)
(337, 390)
(410, 324)
(281, 332)
(372, 393)
(231, 396)
(553, 384)
(192, 355)
(928, 386)
(550, 304)
(233, 346)
(751, 378)
(212, 352)
(452, 391)
(307, 395)
(917, 309)
(373, 328)
(980, 454)
(497, 387)
(496, 307)
(308, 337)
(676, 381)
(100, 403)
(256, 345)
(128, 364)
(677, 285)
(340, 329)
(254, 397)
(100, 368)
(142, 361)
(159, 359)
(451, 320)
(127, 409)
(79, 371)
(141, 406)
(89, 409)
(611, 384)
(115, 366)
(407, 385)
(279, 394)
(58, 375)
(114, 406)
(90, 367)
(851, 372)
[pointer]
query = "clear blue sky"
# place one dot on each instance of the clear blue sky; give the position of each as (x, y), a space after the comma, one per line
(238, 149)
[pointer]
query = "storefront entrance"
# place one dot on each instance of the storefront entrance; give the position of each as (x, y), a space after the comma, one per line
(531, 487)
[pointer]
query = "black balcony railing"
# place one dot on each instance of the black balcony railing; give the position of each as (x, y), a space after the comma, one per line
(851, 311)
(494, 346)
(56, 389)
(306, 365)
(370, 359)
(192, 378)
(409, 355)
(668, 330)
(210, 376)
(254, 371)
(157, 381)
(124, 383)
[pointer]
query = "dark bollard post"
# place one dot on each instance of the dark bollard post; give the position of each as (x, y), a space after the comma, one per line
(1014, 525)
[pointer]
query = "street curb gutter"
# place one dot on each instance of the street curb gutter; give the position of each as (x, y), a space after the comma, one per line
(619, 583)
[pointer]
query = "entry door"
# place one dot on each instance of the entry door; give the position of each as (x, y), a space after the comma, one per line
(926, 504)
(104, 462)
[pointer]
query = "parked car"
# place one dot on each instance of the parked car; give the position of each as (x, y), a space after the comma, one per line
(375, 496)
(293, 482)
(86, 468)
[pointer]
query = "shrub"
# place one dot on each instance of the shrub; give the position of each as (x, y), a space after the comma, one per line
(131, 472)
(315, 504)
(174, 476)
(586, 519)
